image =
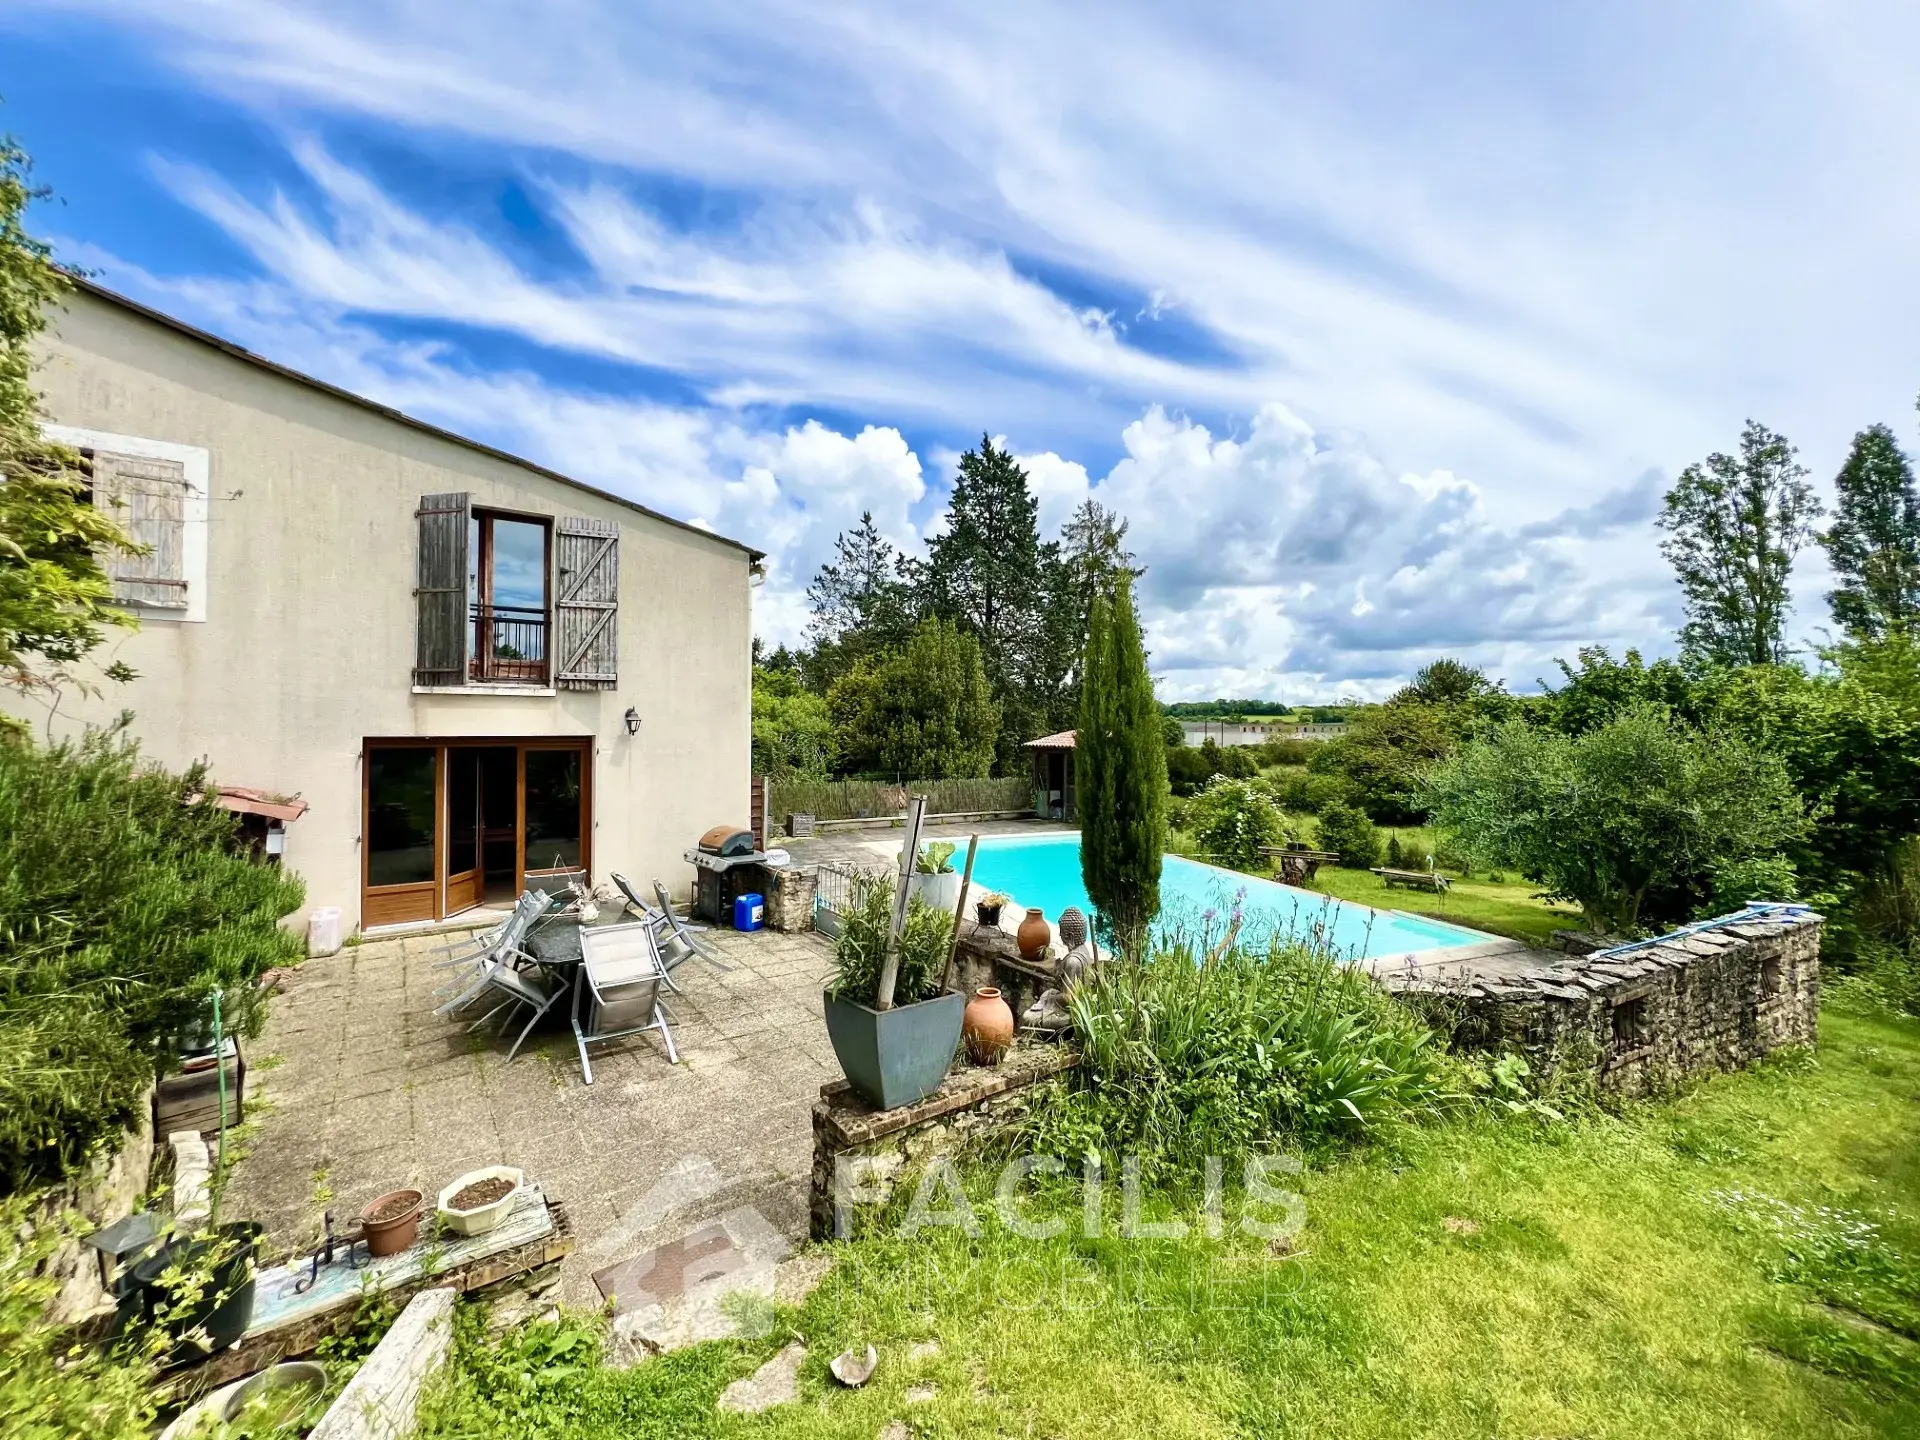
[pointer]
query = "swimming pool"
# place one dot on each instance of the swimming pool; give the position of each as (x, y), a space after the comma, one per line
(1044, 870)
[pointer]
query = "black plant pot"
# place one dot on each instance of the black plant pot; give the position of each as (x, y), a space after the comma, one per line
(225, 1307)
(988, 914)
(895, 1057)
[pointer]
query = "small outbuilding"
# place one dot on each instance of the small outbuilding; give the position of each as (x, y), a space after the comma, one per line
(1053, 776)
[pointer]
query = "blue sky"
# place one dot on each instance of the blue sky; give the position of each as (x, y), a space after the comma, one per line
(1383, 323)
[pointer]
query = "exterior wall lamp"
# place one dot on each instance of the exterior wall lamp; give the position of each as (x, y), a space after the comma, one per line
(633, 721)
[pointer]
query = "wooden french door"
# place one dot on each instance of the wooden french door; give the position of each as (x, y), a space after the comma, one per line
(450, 824)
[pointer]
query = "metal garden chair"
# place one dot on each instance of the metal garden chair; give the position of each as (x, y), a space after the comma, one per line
(621, 973)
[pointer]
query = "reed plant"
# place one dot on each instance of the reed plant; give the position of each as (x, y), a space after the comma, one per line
(1220, 1048)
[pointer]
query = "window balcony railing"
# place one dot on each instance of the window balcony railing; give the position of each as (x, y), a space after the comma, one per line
(509, 645)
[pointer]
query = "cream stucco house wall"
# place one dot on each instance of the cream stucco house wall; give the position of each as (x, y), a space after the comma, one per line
(354, 608)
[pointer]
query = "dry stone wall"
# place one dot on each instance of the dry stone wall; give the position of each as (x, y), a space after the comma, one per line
(1638, 1019)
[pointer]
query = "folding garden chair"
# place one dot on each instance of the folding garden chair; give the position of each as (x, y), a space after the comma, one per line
(672, 936)
(505, 950)
(619, 987)
(680, 946)
(537, 993)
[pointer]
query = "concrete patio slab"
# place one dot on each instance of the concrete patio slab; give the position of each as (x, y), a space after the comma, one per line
(368, 1091)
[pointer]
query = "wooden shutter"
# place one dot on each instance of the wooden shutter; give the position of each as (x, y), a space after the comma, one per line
(149, 499)
(586, 605)
(440, 591)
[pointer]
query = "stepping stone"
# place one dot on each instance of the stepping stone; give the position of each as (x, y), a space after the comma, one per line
(774, 1383)
(659, 1274)
(894, 1430)
(920, 1394)
(715, 1282)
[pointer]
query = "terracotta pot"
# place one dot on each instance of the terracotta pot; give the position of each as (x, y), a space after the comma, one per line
(1034, 935)
(987, 1027)
(394, 1233)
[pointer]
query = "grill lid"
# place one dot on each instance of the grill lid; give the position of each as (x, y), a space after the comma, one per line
(727, 840)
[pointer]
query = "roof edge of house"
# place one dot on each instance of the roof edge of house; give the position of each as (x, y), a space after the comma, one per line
(287, 372)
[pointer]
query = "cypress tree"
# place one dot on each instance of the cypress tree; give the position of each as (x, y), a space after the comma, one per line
(1120, 777)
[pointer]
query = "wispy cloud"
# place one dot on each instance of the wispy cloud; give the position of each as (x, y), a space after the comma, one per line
(1383, 322)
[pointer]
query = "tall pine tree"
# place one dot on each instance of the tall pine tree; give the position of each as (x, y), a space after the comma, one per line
(990, 572)
(1120, 774)
(1874, 544)
(862, 601)
(1733, 527)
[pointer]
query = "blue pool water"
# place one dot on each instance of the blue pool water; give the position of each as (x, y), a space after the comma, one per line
(1044, 870)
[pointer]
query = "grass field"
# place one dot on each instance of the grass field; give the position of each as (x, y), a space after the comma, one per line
(1740, 1262)
(1503, 908)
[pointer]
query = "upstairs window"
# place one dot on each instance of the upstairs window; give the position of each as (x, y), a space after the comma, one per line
(508, 564)
(514, 599)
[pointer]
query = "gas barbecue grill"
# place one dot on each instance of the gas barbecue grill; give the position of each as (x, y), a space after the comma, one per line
(725, 867)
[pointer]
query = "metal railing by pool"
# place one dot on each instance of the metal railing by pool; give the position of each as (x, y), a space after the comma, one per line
(840, 886)
(509, 645)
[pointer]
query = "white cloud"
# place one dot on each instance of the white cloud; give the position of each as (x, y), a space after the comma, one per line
(790, 307)
(1561, 257)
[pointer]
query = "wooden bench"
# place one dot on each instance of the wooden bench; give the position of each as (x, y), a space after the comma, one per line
(1297, 866)
(1414, 879)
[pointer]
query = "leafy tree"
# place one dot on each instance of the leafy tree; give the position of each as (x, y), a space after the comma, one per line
(792, 729)
(1120, 776)
(1232, 820)
(54, 596)
(1733, 527)
(1229, 709)
(863, 601)
(990, 572)
(1874, 544)
(1643, 805)
(1601, 687)
(1447, 681)
(1346, 830)
(922, 712)
(1850, 738)
(1388, 750)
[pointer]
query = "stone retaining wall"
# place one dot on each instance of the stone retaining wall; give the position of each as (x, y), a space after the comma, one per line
(788, 891)
(973, 1104)
(988, 955)
(107, 1191)
(1638, 1019)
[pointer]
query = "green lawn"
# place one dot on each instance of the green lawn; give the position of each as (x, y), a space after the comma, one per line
(1506, 908)
(1695, 1268)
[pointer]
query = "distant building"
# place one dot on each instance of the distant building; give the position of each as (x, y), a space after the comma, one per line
(1257, 732)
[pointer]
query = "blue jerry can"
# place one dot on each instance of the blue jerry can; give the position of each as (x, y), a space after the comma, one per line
(749, 912)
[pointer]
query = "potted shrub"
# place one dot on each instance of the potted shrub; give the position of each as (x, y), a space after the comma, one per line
(897, 1056)
(988, 907)
(935, 881)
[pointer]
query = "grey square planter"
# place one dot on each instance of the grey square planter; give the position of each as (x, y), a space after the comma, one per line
(895, 1057)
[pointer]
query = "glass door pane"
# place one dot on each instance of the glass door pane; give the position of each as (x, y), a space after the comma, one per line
(463, 810)
(553, 809)
(400, 819)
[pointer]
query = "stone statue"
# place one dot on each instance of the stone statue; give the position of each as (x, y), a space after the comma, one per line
(1048, 1014)
(1073, 928)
